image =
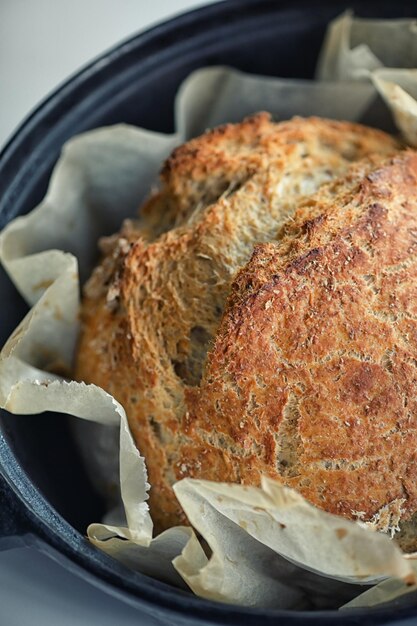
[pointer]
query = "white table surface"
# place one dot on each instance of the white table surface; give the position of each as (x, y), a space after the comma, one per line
(42, 42)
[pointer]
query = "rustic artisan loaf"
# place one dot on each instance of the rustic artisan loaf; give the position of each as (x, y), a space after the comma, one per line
(301, 382)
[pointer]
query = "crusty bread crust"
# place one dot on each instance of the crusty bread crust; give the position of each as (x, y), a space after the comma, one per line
(312, 379)
(153, 306)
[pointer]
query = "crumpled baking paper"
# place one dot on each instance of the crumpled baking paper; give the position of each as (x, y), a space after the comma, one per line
(381, 51)
(264, 547)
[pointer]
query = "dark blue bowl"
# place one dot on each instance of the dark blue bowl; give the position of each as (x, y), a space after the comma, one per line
(46, 499)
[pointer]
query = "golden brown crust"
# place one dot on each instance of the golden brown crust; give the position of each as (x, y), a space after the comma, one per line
(313, 374)
(153, 306)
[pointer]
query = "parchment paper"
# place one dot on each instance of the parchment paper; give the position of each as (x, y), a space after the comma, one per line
(269, 547)
(381, 51)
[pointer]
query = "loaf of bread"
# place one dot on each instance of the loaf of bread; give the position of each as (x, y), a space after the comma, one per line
(258, 317)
